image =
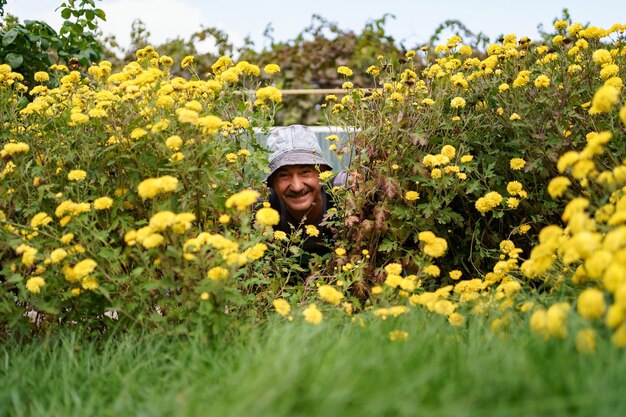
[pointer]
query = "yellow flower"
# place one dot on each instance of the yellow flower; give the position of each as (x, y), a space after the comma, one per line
(432, 270)
(514, 116)
(241, 123)
(312, 315)
(280, 235)
(393, 269)
(340, 251)
(325, 175)
(102, 203)
(217, 273)
(456, 319)
(512, 202)
(243, 199)
(40, 219)
(89, 283)
(455, 274)
(329, 294)
(210, 124)
(162, 220)
(602, 56)
(14, 148)
(517, 163)
(269, 93)
(542, 81)
(343, 70)
(174, 142)
(311, 230)
(224, 219)
(271, 69)
(591, 304)
(79, 118)
(152, 187)
(488, 202)
(282, 306)
(586, 341)
(449, 151)
(267, 216)
(436, 248)
(41, 77)
(67, 238)
(166, 61)
(222, 64)
(558, 186)
(514, 187)
(58, 255)
(165, 102)
(411, 195)
(398, 335)
(256, 252)
(608, 71)
(34, 284)
(619, 337)
(153, 240)
(604, 99)
(187, 61)
(76, 175)
(458, 102)
(84, 268)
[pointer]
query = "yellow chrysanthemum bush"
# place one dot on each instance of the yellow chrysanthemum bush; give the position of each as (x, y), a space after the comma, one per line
(116, 188)
(465, 147)
(582, 257)
(464, 151)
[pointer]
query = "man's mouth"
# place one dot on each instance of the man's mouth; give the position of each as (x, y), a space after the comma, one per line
(291, 194)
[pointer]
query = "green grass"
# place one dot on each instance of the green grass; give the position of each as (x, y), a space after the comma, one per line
(335, 369)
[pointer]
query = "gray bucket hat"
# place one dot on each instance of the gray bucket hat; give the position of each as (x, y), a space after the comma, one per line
(294, 145)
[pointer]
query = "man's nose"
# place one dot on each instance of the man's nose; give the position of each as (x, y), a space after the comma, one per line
(296, 183)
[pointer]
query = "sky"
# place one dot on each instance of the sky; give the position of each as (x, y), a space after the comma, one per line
(413, 23)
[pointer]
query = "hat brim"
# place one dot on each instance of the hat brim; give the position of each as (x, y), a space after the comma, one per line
(296, 157)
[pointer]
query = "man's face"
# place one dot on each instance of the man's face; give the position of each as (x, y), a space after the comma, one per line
(300, 189)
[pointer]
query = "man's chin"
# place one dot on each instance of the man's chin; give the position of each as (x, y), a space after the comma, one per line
(301, 204)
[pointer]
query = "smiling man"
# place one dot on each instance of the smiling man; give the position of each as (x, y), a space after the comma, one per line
(297, 193)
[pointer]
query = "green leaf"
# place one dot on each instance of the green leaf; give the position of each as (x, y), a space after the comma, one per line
(387, 245)
(14, 60)
(100, 13)
(15, 278)
(137, 272)
(109, 253)
(66, 13)
(9, 37)
(90, 15)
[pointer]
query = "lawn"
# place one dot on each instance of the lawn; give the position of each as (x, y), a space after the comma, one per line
(297, 369)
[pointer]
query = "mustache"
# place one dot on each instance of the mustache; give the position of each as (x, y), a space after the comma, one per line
(293, 194)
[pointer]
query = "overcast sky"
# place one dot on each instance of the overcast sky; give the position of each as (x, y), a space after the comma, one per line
(415, 21)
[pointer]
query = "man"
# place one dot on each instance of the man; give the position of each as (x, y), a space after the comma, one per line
(297, 193)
